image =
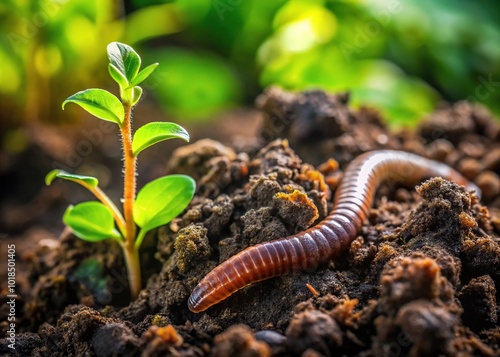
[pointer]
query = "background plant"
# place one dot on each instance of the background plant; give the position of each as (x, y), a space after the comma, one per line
(159, 201)
(401, 56)
(45, 42)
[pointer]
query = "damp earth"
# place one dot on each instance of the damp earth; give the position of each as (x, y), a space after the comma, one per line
(422, 278)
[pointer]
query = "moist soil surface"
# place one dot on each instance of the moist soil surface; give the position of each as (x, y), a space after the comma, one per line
(422, 278)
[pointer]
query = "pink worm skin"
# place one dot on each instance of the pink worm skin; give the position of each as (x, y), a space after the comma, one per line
(321, 243)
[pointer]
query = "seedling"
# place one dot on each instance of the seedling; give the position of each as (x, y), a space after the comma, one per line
(159, 201)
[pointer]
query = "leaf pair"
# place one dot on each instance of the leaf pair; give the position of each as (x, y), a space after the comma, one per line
(124, 65)
(90, 221)
(157, 203)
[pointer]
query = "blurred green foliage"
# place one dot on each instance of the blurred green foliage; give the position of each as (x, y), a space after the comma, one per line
(401, 56)
(90, 273)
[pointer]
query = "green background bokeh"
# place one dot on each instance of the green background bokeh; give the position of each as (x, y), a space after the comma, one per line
(402, 57)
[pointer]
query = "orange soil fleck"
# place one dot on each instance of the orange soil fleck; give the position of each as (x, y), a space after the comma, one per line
(169, 335)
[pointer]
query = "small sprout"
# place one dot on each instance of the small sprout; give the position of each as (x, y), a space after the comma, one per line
(159, 201)
(124, 65)
(124, 59)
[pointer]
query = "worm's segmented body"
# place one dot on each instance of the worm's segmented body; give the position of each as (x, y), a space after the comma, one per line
(319, 244)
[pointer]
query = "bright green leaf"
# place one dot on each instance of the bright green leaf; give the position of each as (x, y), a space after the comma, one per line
(82, 180)
(117, 76)
(145, 73)
(137, 95)
(91, 221)
(155, 132)
(163, 199)
(125, 59)
(99, 103)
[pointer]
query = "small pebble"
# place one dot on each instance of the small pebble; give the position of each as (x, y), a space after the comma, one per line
(272, 338)
(491, 160)
(440, 149)
(489, 183)
(470, 168)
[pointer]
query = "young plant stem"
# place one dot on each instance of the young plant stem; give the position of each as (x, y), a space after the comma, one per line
(129, 163)
(134, 273)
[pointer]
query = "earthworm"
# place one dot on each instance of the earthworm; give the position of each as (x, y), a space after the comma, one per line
(319, 244)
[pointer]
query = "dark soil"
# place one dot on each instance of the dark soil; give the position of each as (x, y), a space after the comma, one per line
(421, 279)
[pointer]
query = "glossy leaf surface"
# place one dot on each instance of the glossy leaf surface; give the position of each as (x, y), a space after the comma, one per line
(99, 103)
(144, 74)
(81, 179)
(155, 132)
(125, 59)
(118, 76)
(91, 221)
(163, 199)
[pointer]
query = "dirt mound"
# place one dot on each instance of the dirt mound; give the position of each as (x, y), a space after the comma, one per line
(421, 279)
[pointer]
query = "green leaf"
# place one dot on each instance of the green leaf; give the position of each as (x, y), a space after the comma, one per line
(125, 59)
(155, 132)
(137, 95)
(143, 74)
(163, 199)
(82, 180)
(99, 103)
(91, 221)
(117, 76)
